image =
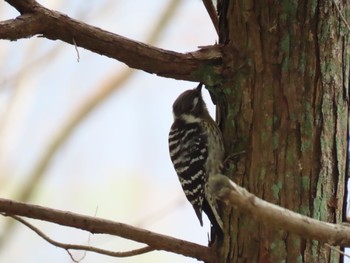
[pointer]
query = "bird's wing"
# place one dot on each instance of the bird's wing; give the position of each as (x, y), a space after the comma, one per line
(188, 152)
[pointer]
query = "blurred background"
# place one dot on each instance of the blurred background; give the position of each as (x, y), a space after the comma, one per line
(91, 136)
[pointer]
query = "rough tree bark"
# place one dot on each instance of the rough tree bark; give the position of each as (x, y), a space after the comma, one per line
(286, 87)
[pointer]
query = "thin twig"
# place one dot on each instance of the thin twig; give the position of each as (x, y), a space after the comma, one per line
(82, 247)
(76, 49)
(341, 15)
(337, 250)
(212, 13)
(88, 241)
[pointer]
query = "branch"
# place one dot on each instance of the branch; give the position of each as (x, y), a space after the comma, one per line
(337, 250)
(276, 216)
(82, 247)
(341, 16)
(23, 26)
(212, 13)
(103, 226)
(203, 65)
(23, 6)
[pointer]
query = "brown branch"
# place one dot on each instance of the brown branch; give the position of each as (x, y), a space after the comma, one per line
(23, 6)
(209, 6)
(337, 250)
(203, 65)
(82, 247)
(341, 15)
(276, 216)
(22, 27)
(103, 226)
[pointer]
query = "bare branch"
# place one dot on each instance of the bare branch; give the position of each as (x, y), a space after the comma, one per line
(200, 66)
(82, 247)
(212, 13)
(337, 250)
(341, 15)
(23, 6)
(22, 27)
(103, 226)
(76, 49)
(275, 216)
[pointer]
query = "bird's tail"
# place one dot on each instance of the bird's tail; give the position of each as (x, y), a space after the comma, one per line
(211, 211)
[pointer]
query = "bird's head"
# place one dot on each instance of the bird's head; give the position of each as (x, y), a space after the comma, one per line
(190, 106)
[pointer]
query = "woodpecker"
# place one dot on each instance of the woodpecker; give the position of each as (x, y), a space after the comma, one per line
(196, 150)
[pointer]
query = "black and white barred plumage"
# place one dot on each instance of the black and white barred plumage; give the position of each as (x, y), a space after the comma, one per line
(197, 151)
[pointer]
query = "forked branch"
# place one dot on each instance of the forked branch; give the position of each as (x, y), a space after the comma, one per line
(209, 5)
(68, 247)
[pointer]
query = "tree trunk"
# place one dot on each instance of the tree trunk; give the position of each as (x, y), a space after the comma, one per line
(286, 104)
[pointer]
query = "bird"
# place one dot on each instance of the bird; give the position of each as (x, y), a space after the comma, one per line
(197, 151)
